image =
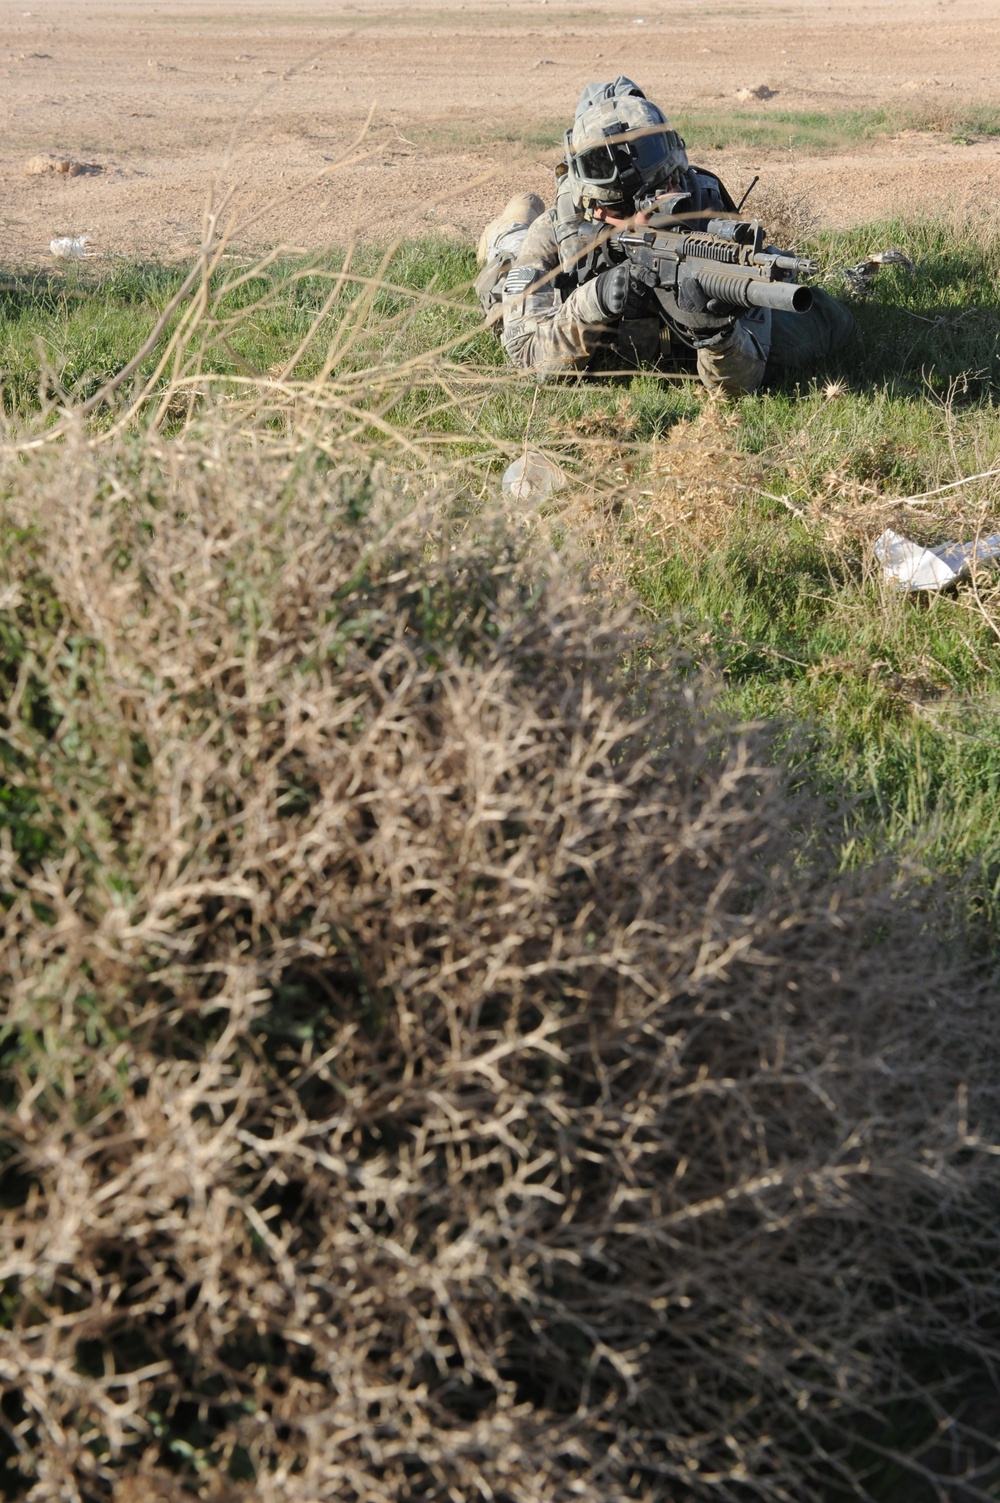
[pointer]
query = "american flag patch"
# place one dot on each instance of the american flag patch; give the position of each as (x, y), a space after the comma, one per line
(519, 280)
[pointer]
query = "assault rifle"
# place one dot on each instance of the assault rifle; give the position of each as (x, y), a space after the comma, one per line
(726, 258)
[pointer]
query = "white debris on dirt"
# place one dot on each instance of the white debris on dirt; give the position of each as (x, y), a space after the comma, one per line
(70, 247)
(913, 567)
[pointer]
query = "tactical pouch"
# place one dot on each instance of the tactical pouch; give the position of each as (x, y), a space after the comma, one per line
(489, 290)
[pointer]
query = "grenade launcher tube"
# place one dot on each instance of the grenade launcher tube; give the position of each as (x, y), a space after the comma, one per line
(752, 292)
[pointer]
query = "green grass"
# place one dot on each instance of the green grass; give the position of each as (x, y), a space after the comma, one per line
(750, 126)
(892, 699)
(76, 329)
(80, 327)
(828, 130)
(480, 134)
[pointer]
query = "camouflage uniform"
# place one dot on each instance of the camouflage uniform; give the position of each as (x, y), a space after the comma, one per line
(539, 280)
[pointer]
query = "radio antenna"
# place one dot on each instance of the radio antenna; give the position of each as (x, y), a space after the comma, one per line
(739, 206)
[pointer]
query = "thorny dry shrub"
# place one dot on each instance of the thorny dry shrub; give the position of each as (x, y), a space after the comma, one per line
(788, 215)
(685, 485)
(428, 1073)
(698, 477)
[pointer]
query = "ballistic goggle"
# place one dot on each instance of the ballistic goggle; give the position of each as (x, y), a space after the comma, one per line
(625, 152)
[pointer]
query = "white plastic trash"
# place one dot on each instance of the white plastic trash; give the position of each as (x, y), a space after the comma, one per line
(914, 567)
(70, 247)
(532, 477)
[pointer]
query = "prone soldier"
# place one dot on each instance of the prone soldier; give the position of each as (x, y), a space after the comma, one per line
(551, 278)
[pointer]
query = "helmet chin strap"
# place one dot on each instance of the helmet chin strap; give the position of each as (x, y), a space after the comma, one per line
(629, 176)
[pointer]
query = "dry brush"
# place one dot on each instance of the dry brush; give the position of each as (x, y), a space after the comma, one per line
(432, 1070)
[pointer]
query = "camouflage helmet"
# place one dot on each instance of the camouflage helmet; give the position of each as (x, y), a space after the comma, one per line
(621, 146)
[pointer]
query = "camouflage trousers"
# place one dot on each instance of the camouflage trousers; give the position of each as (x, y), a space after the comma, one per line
(789, 341)
(802, 339)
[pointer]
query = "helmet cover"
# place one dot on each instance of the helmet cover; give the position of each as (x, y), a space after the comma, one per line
(621, 146)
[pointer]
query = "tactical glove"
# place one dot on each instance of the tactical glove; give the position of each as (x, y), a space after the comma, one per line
(619, 295)
(692, 312)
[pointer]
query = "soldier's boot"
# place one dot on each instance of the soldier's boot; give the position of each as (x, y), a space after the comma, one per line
(520, 213)
(498, 249)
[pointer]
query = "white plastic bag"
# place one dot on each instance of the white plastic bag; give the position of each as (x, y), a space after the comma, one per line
(914, 567)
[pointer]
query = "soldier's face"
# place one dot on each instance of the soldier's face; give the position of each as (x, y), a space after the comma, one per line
(608, 214)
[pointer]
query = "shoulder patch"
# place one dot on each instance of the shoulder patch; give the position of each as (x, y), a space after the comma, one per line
(520, 279)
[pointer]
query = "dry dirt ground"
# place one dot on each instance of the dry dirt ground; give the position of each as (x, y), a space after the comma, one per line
(178, 99)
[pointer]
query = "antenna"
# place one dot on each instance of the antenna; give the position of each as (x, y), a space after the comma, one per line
(739, 206)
